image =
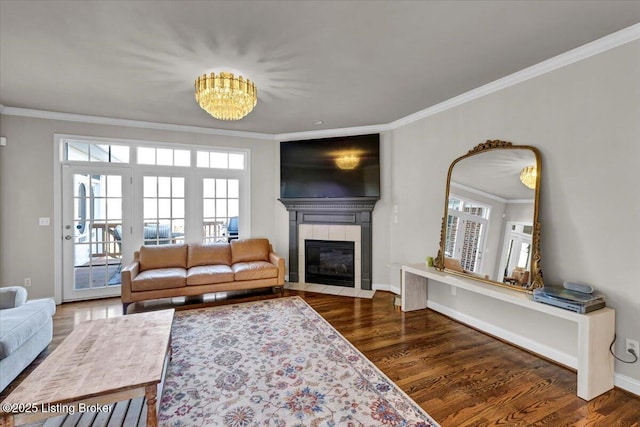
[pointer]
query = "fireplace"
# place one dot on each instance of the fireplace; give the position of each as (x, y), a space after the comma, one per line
(347, 219)
(329, 262)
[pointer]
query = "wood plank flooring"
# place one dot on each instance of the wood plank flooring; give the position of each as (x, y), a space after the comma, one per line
(460, 376)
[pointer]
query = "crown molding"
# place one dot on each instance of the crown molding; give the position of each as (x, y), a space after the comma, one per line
(52, 115)
(593, 48)
(328, 133)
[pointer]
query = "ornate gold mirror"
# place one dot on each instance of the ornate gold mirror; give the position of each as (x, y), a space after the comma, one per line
(490, 228)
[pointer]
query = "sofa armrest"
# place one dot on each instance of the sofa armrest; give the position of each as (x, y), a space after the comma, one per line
(12, 297)
(278, 261)
(126, 275)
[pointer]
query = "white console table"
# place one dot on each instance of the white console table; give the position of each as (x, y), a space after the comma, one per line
(593, 361)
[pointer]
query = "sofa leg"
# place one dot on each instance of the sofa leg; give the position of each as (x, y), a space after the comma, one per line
(282, 290)
(124, 308)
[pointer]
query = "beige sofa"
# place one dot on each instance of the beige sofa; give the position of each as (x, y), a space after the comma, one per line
(166, 271)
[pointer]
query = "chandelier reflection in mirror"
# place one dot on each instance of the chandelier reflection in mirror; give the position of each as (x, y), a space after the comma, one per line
(225, 96)
(528, 177)
(347, 161)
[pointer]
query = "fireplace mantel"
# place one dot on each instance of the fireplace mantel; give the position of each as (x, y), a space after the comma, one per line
(342, 211)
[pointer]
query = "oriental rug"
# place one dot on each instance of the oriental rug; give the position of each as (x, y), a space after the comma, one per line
(275, 363)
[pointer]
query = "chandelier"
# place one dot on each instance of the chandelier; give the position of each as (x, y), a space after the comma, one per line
(224, 96)
(347, 161)
(528, 176)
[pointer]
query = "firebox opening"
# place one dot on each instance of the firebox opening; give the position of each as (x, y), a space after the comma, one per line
(329, 262)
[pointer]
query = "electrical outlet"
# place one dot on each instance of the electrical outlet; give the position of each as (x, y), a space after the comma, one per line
(631, 344)
(27, 282)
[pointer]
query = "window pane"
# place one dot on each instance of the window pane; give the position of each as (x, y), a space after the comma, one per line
(234, 207)
(219, 160)
(114, 186)
(182, 158)
(99, 152)
(119, 154)
(146, 156)
(209, 208)
(221, 188)
(178, 187)
(150, 187)
(150, 209)
(98, 186)
(165, 157)
(221, 208)
(99, 209)
(208, 187)
(236, 161)
(114, 209)
(234, 188)
(203, 159)
(177, 227)
(164, 208)
(178, 208)
(164, 186)
(77, 151)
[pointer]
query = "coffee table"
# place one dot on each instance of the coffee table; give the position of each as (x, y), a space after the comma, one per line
(100, 362)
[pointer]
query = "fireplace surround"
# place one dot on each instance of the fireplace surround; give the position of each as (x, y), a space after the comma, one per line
(332, 211)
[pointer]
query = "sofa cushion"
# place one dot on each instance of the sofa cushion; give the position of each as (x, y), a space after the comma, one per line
(159, 278)
(209, 274)
(250, 250)
(163, 256)
(254, 270)
(18, 325)
(12, 296)
(216, 254)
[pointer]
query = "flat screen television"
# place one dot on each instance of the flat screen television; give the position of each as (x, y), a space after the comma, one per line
(343, 167)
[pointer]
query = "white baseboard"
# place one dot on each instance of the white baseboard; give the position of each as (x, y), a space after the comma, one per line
(534, 346)
(626, 383)
(385, 287)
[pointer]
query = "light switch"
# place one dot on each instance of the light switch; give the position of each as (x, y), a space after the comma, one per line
(3, 140)
(44, 221)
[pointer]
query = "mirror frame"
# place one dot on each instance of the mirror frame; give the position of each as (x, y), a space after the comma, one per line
(536, 272)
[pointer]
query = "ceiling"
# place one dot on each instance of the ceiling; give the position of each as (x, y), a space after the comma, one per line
(347, 63)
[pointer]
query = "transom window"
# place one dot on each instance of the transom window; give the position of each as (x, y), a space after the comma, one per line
(220, 160)
(164, 156)
(84, 151)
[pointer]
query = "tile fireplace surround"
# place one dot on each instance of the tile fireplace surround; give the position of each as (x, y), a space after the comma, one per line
(341, 233)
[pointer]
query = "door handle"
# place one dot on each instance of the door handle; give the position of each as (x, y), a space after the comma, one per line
(68, 237)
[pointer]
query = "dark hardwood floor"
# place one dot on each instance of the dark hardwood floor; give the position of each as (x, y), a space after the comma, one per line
(460, 376)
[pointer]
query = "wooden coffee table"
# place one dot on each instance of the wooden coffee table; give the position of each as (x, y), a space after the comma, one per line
(100, 362)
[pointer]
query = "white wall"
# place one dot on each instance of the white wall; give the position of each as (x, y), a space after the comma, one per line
(585, 120)
(26, 190)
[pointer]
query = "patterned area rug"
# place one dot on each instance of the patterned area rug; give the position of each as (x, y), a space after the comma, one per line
(275, 363)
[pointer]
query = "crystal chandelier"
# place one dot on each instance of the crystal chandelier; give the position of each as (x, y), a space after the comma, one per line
(528, 176)
(225, 96)
(347, 161)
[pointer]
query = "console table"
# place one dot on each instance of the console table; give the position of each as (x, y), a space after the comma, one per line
(595, 330)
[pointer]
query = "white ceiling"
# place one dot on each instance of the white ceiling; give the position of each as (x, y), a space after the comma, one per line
(348, 63)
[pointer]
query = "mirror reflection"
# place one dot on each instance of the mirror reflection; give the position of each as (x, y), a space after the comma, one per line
(490, 225)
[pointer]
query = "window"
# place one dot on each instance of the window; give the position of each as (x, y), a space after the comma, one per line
(84, 151)
(163, 210)
(221, 204)
(220, 160)
(164, 156)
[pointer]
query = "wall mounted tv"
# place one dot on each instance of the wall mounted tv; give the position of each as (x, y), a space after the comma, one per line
(343, 167)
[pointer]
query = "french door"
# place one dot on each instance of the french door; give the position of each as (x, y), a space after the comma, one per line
(96, 225)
